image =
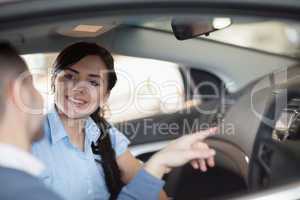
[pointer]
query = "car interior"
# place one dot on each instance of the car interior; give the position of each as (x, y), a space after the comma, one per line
(258, 144)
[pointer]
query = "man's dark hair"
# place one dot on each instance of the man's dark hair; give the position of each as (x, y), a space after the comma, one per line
(10, 61)
(11, 66)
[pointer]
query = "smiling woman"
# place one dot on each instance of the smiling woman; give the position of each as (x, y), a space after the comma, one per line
(83, 76)
(77, 102)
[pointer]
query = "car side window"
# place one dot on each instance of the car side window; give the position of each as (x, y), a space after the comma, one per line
(145, 87)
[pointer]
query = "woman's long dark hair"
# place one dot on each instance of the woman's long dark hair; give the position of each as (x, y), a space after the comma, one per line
(103, 147)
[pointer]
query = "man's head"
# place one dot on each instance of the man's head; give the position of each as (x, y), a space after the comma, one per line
(20, 103)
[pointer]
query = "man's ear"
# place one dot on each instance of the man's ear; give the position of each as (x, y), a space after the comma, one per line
(13, 92)
(10, 92)
(8, 99)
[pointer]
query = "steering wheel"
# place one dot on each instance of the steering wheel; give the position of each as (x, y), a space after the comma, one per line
(274, 162)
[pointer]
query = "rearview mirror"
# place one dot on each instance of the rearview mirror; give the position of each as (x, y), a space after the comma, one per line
(186, 29)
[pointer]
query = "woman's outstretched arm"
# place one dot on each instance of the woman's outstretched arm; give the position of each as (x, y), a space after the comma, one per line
(130, 167)
(147, 184)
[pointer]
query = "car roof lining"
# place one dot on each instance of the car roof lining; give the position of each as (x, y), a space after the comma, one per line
(197, 53)
(149, 43)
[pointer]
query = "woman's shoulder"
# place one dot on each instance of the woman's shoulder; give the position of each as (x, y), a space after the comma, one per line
(119, 140)
(116, 133)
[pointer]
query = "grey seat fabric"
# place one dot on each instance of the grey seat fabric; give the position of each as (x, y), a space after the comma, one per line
(17, 185)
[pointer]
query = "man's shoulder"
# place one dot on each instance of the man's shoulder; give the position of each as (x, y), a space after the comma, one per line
(16, 185)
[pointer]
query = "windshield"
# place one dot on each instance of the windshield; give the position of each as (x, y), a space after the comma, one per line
(270, 36)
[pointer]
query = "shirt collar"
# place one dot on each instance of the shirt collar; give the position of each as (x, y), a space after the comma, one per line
(16, 158)
(57, 130)
(92, 132)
